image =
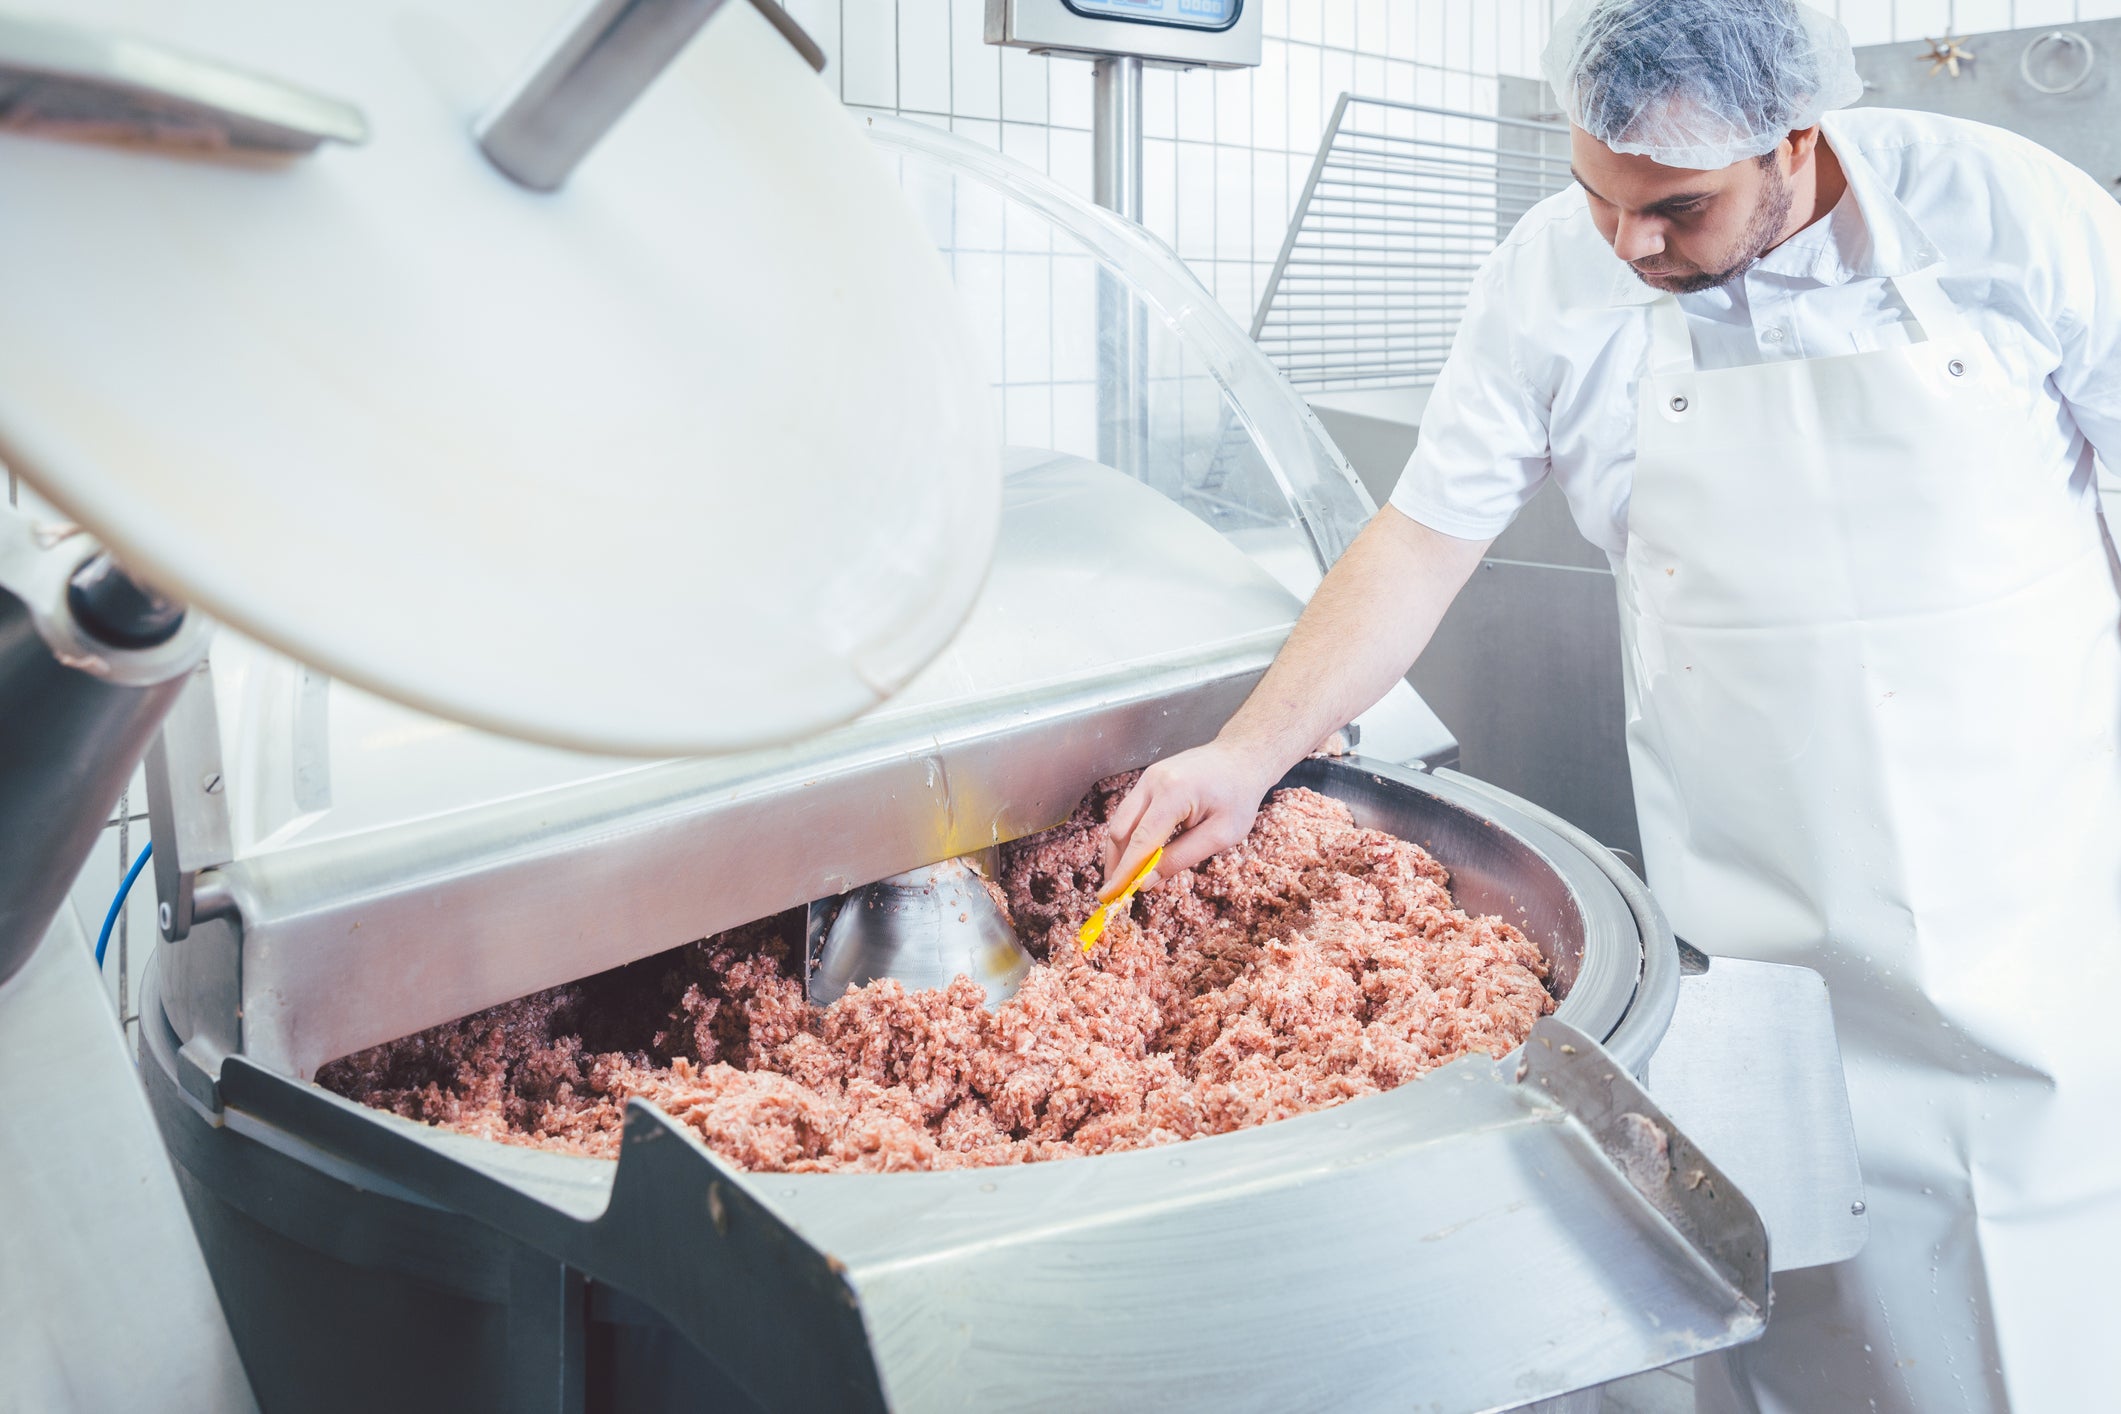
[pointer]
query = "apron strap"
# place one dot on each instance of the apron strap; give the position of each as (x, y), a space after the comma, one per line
(1671, 356)
(1672, 367)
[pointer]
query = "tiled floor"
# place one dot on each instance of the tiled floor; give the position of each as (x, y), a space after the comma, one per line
(1669, 1391)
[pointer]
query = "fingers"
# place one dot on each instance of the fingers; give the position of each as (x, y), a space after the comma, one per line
(1119, 828)
(1205, 840)
(1159, 819)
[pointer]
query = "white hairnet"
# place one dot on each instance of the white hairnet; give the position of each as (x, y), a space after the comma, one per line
(1698, 83)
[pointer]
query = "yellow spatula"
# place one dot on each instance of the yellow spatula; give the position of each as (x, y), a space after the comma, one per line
(1094, 927)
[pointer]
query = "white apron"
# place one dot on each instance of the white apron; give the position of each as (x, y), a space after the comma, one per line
(1874, 702)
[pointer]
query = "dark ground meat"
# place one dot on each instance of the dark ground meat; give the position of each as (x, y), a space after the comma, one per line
(1312, 963)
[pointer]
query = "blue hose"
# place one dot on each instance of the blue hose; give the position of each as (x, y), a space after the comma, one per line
(111, 918)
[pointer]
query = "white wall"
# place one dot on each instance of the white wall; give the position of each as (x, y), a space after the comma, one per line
(1227, 153)
(1884, 21)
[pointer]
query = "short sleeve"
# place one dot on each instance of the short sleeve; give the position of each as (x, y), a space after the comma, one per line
(2088, 317)
(1483, 450)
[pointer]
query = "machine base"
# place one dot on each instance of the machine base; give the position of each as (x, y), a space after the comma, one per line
(104, 1301)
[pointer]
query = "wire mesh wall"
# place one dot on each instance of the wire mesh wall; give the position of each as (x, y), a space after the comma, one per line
(1402, 204)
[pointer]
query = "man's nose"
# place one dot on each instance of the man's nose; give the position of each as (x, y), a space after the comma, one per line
(1637, 238)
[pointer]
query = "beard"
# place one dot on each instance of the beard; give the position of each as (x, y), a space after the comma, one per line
(1761, 235)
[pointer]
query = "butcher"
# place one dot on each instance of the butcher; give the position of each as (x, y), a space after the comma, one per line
(1828, 385)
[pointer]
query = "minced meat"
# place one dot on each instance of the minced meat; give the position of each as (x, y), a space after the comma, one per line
(1314, 962)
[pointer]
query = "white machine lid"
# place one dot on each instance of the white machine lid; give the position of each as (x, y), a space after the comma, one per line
(691, 455)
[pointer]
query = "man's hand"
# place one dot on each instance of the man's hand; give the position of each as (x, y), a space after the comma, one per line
(1196, 804)
(1364, 625)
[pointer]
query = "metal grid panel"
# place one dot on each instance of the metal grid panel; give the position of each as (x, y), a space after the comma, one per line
(1402, 204)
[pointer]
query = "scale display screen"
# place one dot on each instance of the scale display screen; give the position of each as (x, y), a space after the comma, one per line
(1177, 14)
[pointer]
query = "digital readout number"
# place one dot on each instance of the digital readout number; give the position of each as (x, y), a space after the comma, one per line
(1213, 12)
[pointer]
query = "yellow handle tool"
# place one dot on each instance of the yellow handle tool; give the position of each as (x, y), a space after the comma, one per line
(1094, 927)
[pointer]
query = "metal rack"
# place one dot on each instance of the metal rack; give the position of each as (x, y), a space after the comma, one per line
(1402, 204)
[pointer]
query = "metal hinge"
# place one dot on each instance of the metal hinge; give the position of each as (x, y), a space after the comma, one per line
(187, 811)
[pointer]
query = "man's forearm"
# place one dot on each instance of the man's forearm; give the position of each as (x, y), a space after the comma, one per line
(1364, 627)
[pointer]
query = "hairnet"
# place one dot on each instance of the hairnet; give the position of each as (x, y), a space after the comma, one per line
(1698, 83)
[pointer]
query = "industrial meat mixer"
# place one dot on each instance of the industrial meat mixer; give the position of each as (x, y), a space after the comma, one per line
(1474, 1235)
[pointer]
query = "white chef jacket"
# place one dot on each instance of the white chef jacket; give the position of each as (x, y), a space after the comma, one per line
(1542, 377)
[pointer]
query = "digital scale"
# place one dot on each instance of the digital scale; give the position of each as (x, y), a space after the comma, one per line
(1211, 34)
(1119, 36)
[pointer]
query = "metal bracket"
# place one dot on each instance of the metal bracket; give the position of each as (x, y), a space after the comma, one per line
(62, 79)
(591, 73)
(1661, 1163)
(198, 1068)
(187, 810)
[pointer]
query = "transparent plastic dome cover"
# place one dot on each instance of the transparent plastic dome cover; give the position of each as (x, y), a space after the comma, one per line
(1103, 344)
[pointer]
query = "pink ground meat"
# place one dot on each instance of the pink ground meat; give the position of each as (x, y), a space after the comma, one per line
(1314, 962)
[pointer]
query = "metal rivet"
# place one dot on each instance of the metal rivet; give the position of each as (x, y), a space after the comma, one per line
(1679, 404)
(211, 782)
(166, 918)
(1958, 369)
(1857, 1208)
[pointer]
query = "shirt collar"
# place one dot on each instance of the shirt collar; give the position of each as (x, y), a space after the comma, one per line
(1868, 234)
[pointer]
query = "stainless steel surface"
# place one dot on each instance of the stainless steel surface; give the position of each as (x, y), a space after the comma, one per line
(961, 1290)
(1402, 203)
(68, 81)
(75, 715)
(1751, 1070)
(599, 61)
(1122, 320)
(187, 806)
(1049, 26)
(1056, 680)
(105, 1302)
(2059, 87)
(1116, 134)
(924, 928)
(594, 68)
(1660, 1162)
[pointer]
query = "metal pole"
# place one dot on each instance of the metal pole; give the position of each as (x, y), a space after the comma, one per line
(1116, 134)
(590, 73)
(1122, 321)
(594, 68)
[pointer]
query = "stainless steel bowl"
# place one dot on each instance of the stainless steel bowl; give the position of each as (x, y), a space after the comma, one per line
(335, 1232)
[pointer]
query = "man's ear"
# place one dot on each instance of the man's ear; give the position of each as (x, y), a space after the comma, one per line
(1804, 146)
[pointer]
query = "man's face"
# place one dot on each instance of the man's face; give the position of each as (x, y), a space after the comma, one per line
(1683, 230)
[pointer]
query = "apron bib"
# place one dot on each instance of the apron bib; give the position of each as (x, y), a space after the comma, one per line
(1873, 657)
